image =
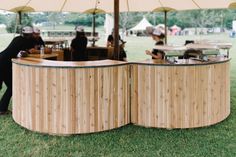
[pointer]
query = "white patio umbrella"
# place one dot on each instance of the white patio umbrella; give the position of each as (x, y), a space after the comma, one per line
(94, 11)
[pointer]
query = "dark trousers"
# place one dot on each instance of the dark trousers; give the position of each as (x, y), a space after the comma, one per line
(4, 102)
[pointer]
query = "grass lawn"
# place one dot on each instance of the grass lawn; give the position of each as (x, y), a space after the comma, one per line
(218, 140)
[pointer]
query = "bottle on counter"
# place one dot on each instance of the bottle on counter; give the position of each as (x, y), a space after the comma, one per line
(41, 50)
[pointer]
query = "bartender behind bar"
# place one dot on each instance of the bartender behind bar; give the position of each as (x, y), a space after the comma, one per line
(79, 45)
(158, 37)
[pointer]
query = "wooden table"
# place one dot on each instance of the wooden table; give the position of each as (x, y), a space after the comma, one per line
(57, 54)
(100, 53)
(94, 53)
(52, 56)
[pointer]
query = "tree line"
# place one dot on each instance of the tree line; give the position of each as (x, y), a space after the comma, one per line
(193, 18)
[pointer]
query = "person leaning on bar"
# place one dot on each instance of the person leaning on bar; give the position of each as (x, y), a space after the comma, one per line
(79, 45)
(38, 42)
(158, 36)
(19, 43)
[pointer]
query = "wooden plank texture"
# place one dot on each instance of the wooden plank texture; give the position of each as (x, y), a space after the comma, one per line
(71, 100)
(80, 98)
(180, 96)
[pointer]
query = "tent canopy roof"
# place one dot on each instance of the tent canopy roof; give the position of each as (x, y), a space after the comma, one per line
(108, 5)
(141, 25)
(175, 27)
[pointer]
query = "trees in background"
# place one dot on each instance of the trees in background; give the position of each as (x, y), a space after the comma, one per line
(3, 19)
(84, 19)
(14, 27)
(193, 18)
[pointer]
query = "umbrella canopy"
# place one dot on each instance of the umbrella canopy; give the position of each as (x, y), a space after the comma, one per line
(108, 5)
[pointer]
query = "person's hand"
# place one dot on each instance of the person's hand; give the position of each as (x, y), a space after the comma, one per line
(33, 51)
(148, 52)
(47, 50)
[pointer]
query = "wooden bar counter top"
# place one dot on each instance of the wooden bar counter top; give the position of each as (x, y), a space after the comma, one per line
(61, 98)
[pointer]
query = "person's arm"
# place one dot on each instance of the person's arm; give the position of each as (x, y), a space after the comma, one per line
(72, 50)
(47, 50)
(109, 44)
(125, 59)
(72, 46)
(33, 51)
(41, 41)
(1, 81)
(157, 56)
(36, 51)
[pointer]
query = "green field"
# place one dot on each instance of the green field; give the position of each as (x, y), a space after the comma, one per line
(213, 141)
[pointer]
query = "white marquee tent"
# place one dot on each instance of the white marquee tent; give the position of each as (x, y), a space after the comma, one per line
(108, 25)
(141, 26)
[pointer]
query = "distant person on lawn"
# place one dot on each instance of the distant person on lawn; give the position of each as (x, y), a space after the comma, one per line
(19, 43)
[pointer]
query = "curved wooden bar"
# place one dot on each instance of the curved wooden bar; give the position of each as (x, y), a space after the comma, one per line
(188, 94)
(58, 97)
(70, 97)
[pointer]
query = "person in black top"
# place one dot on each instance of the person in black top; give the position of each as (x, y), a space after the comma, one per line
(191, 52)
(122, 54)
(158, 36)
(79, 45)
(38, 42)
(19, 43)
(110, 39)
(37, 38)
(110, 43)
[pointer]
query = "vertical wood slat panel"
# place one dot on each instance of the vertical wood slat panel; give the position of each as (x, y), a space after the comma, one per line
(62, 101)
(184, 96)
(70, 101)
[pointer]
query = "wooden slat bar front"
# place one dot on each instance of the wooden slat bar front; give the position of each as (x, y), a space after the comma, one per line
(59, 97)
(72, 97)
(182, 95)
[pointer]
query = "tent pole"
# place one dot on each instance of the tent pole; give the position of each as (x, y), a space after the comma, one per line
(116, 29)
(20, 17)
(94, 25)
(165, 14)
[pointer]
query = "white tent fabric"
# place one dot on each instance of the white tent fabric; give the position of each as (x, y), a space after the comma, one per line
(175, 27)
(108, 5)
(141, 25)
(108, 25)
